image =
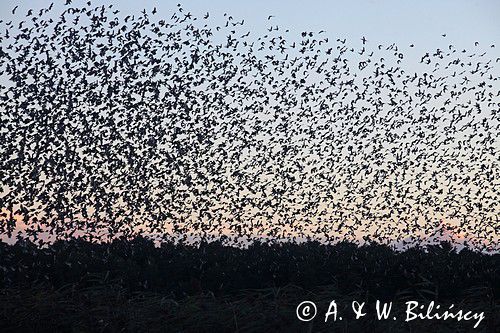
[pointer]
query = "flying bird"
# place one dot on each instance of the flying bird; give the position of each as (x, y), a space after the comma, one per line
(181, 128)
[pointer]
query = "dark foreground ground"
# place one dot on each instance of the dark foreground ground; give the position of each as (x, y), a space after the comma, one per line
(132, 286)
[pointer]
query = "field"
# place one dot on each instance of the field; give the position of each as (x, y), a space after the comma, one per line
(76, 286)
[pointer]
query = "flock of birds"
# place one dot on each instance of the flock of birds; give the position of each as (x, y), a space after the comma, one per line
(179, 127)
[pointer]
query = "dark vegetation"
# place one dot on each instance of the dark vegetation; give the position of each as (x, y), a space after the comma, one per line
(182, 270)
(133, 285)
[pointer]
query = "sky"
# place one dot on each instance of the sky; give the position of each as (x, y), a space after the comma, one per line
(422, 23)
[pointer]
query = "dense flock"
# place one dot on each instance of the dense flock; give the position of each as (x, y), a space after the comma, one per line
(197, 128)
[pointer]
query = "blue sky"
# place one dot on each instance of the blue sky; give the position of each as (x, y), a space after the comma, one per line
(420, 22)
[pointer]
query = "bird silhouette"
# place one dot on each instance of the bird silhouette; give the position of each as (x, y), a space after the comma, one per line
(175, 129)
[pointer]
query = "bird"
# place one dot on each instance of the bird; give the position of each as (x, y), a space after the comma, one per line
(203, 130)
